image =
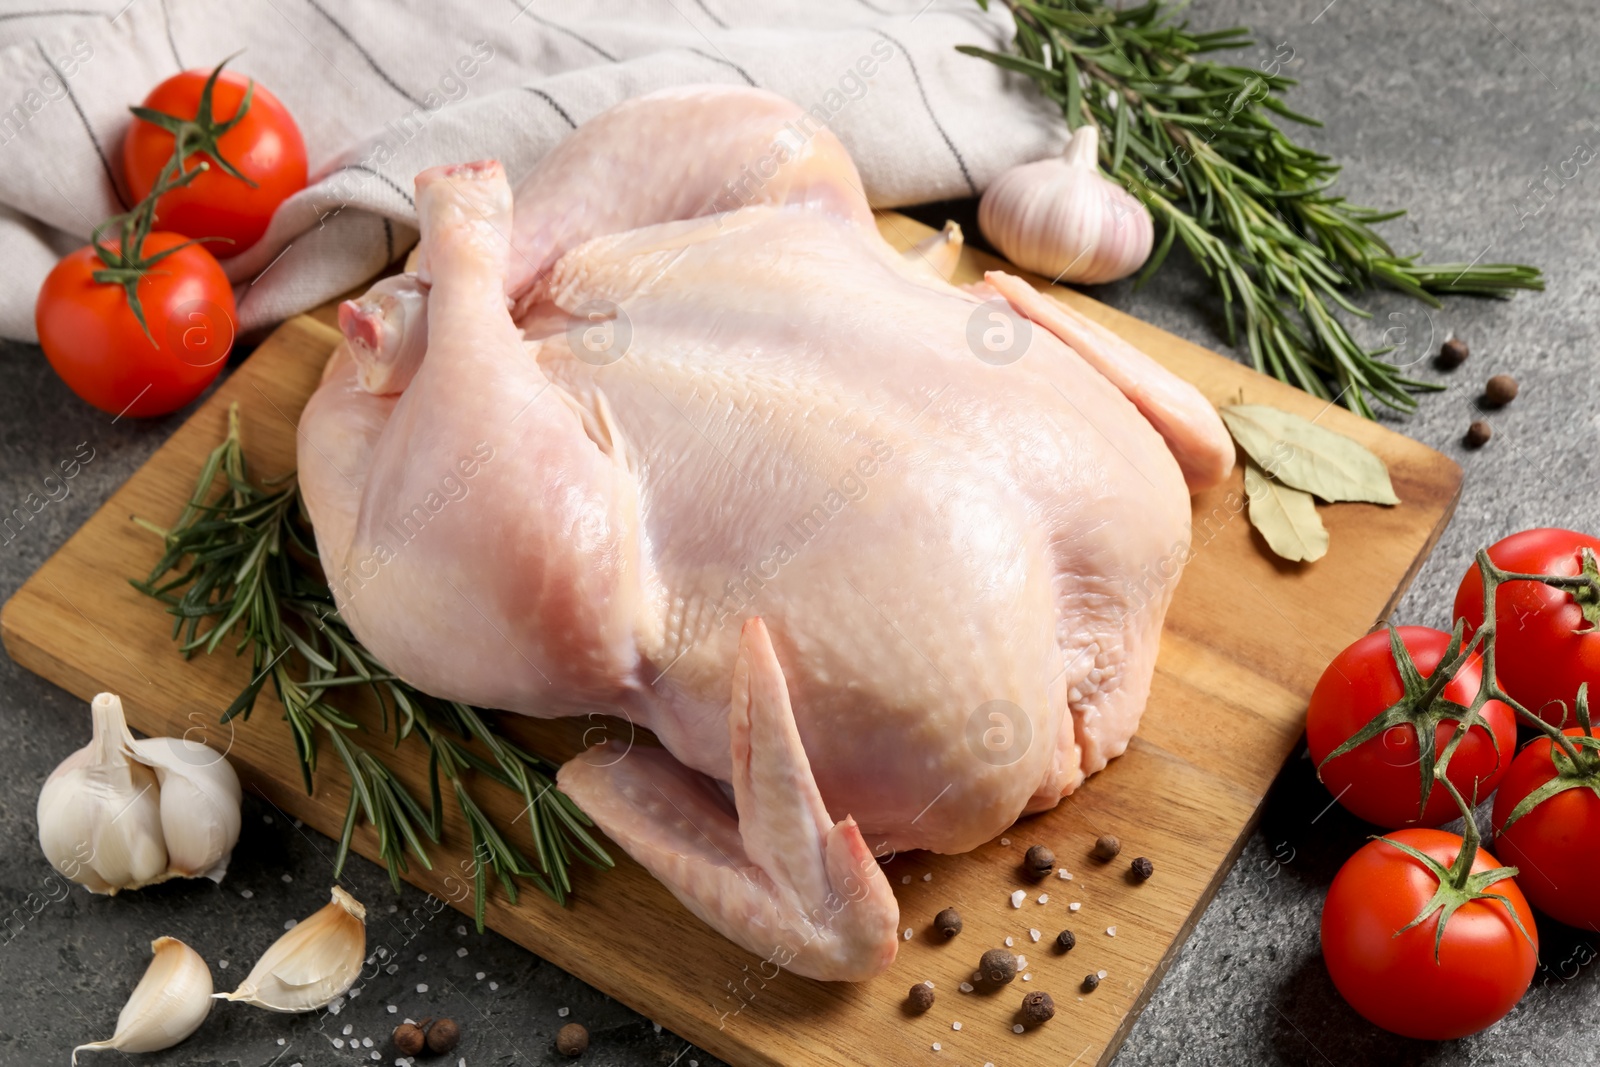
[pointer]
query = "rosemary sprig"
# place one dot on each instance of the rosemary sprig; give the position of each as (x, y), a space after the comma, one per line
(1197, 142)
(241, 559)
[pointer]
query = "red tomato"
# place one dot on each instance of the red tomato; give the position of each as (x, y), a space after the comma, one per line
(266, 148)
(1554, 844)
(92, 339)
(1540, 657)
(1484, 964)
(1381, 779)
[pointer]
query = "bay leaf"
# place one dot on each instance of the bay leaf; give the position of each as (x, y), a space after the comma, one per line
(1287, 517)
(1299, 453)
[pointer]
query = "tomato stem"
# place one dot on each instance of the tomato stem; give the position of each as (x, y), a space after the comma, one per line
(126, 264)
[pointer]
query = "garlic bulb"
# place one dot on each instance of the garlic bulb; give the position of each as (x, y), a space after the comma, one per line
(122, 813)
(317, 960)
(169, 1003)
(1065, 220)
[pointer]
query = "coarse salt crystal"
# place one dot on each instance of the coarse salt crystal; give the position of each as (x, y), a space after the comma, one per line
(1027, 978)
(247, 893)
(1064, 875)
(1111, 931)
(563, 1012)
(1016, 1028)
(905, 879)
(1017, 898)
(928, 982)
(1022, 961)
(356, 992)
(461, 953)
(422, 987)
(392, 1009)
(907, 934)
(936, 1046)
(1101, 974)
(955, 1026)
(461, 931)
(1074, 906)
(288, 878)
(283, 1041)
(223, 964)
(267, 819)
(338, 1042)
(656, 1027)
(421, 958)
(393, 968)
(1044, 898)
(366, 1042)
(494, 985)
(928, 877)
(965, 987)
(479, 976)
(377, 1055)
(1005, 840)
(291, 924)
(1008, 942)
(347, 1028)
(1033, 935)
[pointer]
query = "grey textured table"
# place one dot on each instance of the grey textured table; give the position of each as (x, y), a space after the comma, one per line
(1451, 107)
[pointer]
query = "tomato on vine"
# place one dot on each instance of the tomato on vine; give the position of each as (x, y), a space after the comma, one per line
(142, 362)
(1423, 949)
(256, 158)
(1546, 639)
(1378, 722)
(1547, 819)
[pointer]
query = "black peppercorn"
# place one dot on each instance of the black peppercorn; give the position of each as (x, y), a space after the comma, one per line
(408, 1039)
(1452, 353)
(1106, 848)
(1500, 390)
(572, 1039)
(1039, 861)
(1037, 1008)
(1478, 434)
(1066, 940)
(921, 997)
(998, 966)
(948, 922)
(1142, 868)
(443, 1035)
(1090, 982)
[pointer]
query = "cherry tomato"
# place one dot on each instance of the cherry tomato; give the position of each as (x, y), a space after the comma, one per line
(1484, 963)
(1554, 844)
(265, 147)
(1381, 779)
(1540, 654)
(92, 339)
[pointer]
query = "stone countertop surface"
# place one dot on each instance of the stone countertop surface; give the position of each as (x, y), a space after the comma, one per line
(1456, 109)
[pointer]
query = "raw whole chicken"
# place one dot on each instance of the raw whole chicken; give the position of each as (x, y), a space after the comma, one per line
(672, 433)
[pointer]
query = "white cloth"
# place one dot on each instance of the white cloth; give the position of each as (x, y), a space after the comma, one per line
(382, 89)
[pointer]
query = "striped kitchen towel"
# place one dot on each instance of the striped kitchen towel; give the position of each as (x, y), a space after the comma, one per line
(384, 88)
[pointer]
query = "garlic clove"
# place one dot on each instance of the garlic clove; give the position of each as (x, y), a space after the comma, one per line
(1065, 220)
(317, 960)
(169, 1003)
(938, 254)
(99, 812)
(200, 799)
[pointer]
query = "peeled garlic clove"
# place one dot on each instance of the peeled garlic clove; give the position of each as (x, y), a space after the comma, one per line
(200, 799)
(1065, 220)
(100, 813)
(169, 1003)
(317, 960)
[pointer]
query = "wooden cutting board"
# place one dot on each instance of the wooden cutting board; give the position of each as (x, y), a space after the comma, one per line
(1245, 641)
